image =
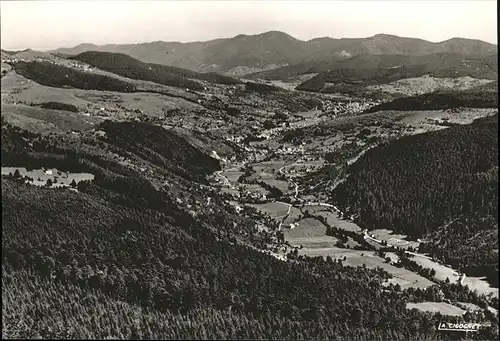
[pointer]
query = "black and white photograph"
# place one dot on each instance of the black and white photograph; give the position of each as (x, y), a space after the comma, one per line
(249, 170)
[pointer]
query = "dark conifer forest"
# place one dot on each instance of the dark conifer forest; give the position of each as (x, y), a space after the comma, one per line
(441, 185)
(442, 101)
(60, 76)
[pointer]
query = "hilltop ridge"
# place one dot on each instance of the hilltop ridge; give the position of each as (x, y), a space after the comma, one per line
(243, 53)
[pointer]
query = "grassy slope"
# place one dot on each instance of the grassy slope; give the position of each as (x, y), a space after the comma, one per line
(441, 100)
(493, 86)
(47, 120)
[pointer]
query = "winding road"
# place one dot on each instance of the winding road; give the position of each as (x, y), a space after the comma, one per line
(291, 181)
(226, 180)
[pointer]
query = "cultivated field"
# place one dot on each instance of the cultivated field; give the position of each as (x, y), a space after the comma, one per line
(464, 116)
(434, 307)
(293, 216)
(443, 272)
(273, 209)
(403, 277)
(40, 176)
(30, 124)
(268, 166)
(292, 82)
(333, 220)
(309, 233)
(397, 240)
(41, 120)
(309, 114)
(231, 191)
(18, 89)
(314, 210)
(281, 185)
(6, 67)
(232, 176)
(468, 306)
(255, 188)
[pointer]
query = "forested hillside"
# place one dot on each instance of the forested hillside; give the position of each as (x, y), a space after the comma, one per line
(170, 264)
(119, 258)
(442, 100)
(160, 147)
(60, 76)
(211, 77)
(74, 311)
(127, 66)
(418, 183)
(468, 243)
(14, 140)
(59, 106)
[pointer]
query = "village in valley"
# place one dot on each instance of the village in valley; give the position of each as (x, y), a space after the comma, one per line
(281, 154)
(274, 146)
(249, 170)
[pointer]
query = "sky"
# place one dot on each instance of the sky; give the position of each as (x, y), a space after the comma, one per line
(44, 25)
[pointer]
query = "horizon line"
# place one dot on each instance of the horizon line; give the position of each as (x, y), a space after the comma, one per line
(45, 49)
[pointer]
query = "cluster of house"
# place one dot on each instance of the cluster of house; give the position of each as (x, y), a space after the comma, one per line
(250, 195)
(218, 90)
(305, 123)
(79, 66)
(290, 150)
(348, 108)
(102, 111)
(13, 60)
(235, 139)
(48, 60)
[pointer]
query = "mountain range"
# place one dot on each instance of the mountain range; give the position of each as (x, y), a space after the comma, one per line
(245, 54)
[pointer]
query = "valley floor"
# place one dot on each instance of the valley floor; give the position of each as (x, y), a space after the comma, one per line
(308, 235)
